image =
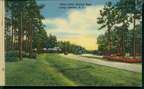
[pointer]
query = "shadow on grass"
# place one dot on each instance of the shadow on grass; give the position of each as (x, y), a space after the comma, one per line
(77, 68)
(11, 59)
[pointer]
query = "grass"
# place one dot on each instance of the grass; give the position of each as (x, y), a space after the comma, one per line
(106, 59)
(53, 70)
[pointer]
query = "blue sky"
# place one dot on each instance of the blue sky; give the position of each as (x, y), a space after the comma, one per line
(51, 9)
(78, 26)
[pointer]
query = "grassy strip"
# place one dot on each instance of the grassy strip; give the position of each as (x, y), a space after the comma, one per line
(53, 70)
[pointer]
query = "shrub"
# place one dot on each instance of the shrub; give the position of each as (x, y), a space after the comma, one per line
(120, 59)
(34, 55)
(136, 55)
(15, 53)
(118, 54)
(131, 55)
(108, 57)
(139, 60)
(129, 60)
(104, 56)
(24, 54)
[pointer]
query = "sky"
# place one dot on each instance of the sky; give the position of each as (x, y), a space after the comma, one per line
(79, 26)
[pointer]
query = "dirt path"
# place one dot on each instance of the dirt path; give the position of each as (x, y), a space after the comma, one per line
(123, 66)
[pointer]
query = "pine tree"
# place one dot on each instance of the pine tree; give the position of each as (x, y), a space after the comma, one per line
(107, 18)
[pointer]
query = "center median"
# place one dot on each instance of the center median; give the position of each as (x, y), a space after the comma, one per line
(123, 66)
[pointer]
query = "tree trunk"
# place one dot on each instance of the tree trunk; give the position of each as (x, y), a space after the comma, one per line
(134, 38)
(121, 46)
(6, 46)
(12, 29)
(42, 50)
(132, 50)
(114, 49)
(30, 54)
(121, 49)
(15, 36)
(140, 49)
(108, 38)
(37, 49)
(22, 40)
(21, 35)
(123, 42)
(118, 48)
(105, 52)
(9, 39)
(19, 40)
(136, 48)
(110, 49)
(26, 33)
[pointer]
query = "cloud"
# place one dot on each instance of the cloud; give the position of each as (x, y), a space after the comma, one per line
(79, 27)
(77, 21)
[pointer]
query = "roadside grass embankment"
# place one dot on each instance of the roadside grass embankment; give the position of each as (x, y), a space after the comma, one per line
(50, 69)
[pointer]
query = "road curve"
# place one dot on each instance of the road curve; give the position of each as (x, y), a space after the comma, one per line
(123, 66)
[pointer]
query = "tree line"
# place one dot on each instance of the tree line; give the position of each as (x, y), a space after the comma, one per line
(70, 48)
(123, 12)
(116, 43)
(23, 25)
(25, 31)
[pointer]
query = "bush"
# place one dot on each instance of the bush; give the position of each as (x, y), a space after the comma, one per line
(118, 54)
(24, 54)
(104, 56)
(11, 53)
(15, 53)
(34, 55)
(139, 60)
(136, 55)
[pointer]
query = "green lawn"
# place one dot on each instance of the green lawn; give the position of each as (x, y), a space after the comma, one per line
(52, 70)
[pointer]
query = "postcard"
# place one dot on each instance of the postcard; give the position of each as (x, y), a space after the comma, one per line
(71, 43)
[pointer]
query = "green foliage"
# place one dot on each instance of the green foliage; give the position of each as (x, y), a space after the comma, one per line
(71, 48)
(90, 51)
(107, 48)
(15, 53)
(34, 55)
(107, 16)
(24, 54)
(121, 12)
(30, 9)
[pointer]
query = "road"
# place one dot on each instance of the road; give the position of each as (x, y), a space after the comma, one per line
(123, 66)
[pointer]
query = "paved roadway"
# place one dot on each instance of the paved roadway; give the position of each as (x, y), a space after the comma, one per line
(123, 66)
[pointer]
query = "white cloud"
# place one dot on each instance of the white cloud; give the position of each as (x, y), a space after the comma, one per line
(78, 21)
